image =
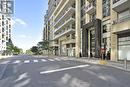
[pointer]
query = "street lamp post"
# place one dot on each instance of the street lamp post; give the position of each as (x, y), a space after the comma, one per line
(125, 63)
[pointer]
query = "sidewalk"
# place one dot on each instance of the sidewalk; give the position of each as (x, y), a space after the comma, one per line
(116, 64)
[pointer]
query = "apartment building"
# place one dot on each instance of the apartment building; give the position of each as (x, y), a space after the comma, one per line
(106, 25)
(5, 31)
(46, 27)
(61, 27)
(120, 32)
(90, 27)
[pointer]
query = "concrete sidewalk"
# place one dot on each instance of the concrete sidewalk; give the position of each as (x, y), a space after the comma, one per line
(116, 64)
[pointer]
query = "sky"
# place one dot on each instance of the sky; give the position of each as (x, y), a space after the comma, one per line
(28, 22)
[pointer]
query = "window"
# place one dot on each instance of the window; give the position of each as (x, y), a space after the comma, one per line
(106, 8)
(73, 36)
(104, 28)
(92, 17)
(82, 3)
(105, 41)
(82, 22)
(2, 23)
(82, 12)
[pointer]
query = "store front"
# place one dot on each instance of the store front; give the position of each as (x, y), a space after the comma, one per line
(124, 46)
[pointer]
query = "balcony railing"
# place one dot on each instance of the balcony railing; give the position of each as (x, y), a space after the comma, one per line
(68, 41)
(89, 8)
(120, 5)
(65, 23)
(115, 1)
(72, 8)
(120, 20)
(65, 32)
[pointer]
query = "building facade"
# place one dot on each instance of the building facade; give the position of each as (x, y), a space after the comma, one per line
(5, 32)
(91, 27)
(120, 32)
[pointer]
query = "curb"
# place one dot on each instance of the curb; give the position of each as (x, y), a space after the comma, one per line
(105, 64)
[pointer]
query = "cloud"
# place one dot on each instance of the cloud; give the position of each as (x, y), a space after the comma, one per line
(18, 21)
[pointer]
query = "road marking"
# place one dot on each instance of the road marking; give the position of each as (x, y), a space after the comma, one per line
(26, 61)
(17, 61)
(63, 69)
(51, 60)
(5, 62)
(57, 59)
(35, 61)
(43, 60)
(22, 76)
(23, 83)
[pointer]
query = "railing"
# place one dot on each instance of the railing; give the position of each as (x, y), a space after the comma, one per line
(89, 6)
(64, 23)
(64, 32)
(72, 7)
(121, 19)
(115, 1)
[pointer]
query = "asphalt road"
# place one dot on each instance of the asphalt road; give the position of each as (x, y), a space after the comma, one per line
(30, 71)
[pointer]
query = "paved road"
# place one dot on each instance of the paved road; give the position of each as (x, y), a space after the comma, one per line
(30, 71)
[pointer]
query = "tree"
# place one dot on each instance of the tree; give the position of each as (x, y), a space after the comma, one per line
(16, 50)
(34, 49)
(43, 45)
(9, 48)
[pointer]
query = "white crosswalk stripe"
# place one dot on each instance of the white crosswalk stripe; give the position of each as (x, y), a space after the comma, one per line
(26, 61)
(51, 60)
(35, 61)
(5, 62)
(29, 61)
(43, 60)
(17, 61)
(57, 59)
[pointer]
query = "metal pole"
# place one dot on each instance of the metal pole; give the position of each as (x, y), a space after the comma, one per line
(125, 63)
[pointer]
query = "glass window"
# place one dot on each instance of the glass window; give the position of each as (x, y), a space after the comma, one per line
(82, 3)
(106, 8)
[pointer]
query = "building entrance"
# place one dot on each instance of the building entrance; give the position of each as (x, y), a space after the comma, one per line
(92, 43)
(124, 48)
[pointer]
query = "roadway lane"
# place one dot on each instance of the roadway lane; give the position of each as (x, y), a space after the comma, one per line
(29, 71)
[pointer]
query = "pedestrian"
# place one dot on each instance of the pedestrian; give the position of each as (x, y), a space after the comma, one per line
(108, 55)
(91, 55)
(80, 54)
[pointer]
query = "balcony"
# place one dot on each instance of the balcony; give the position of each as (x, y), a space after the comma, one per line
(69, 41)
(89, 0)
(90, 8)
(120, 5)
(63, 4)
(63, 33)
(123, 19)
(65, 24)
(70, 11)
(122, 24)
(53, 44)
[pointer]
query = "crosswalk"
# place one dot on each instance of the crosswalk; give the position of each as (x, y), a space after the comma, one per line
(26, 61)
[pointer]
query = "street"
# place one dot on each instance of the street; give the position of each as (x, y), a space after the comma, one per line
(32, 71)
